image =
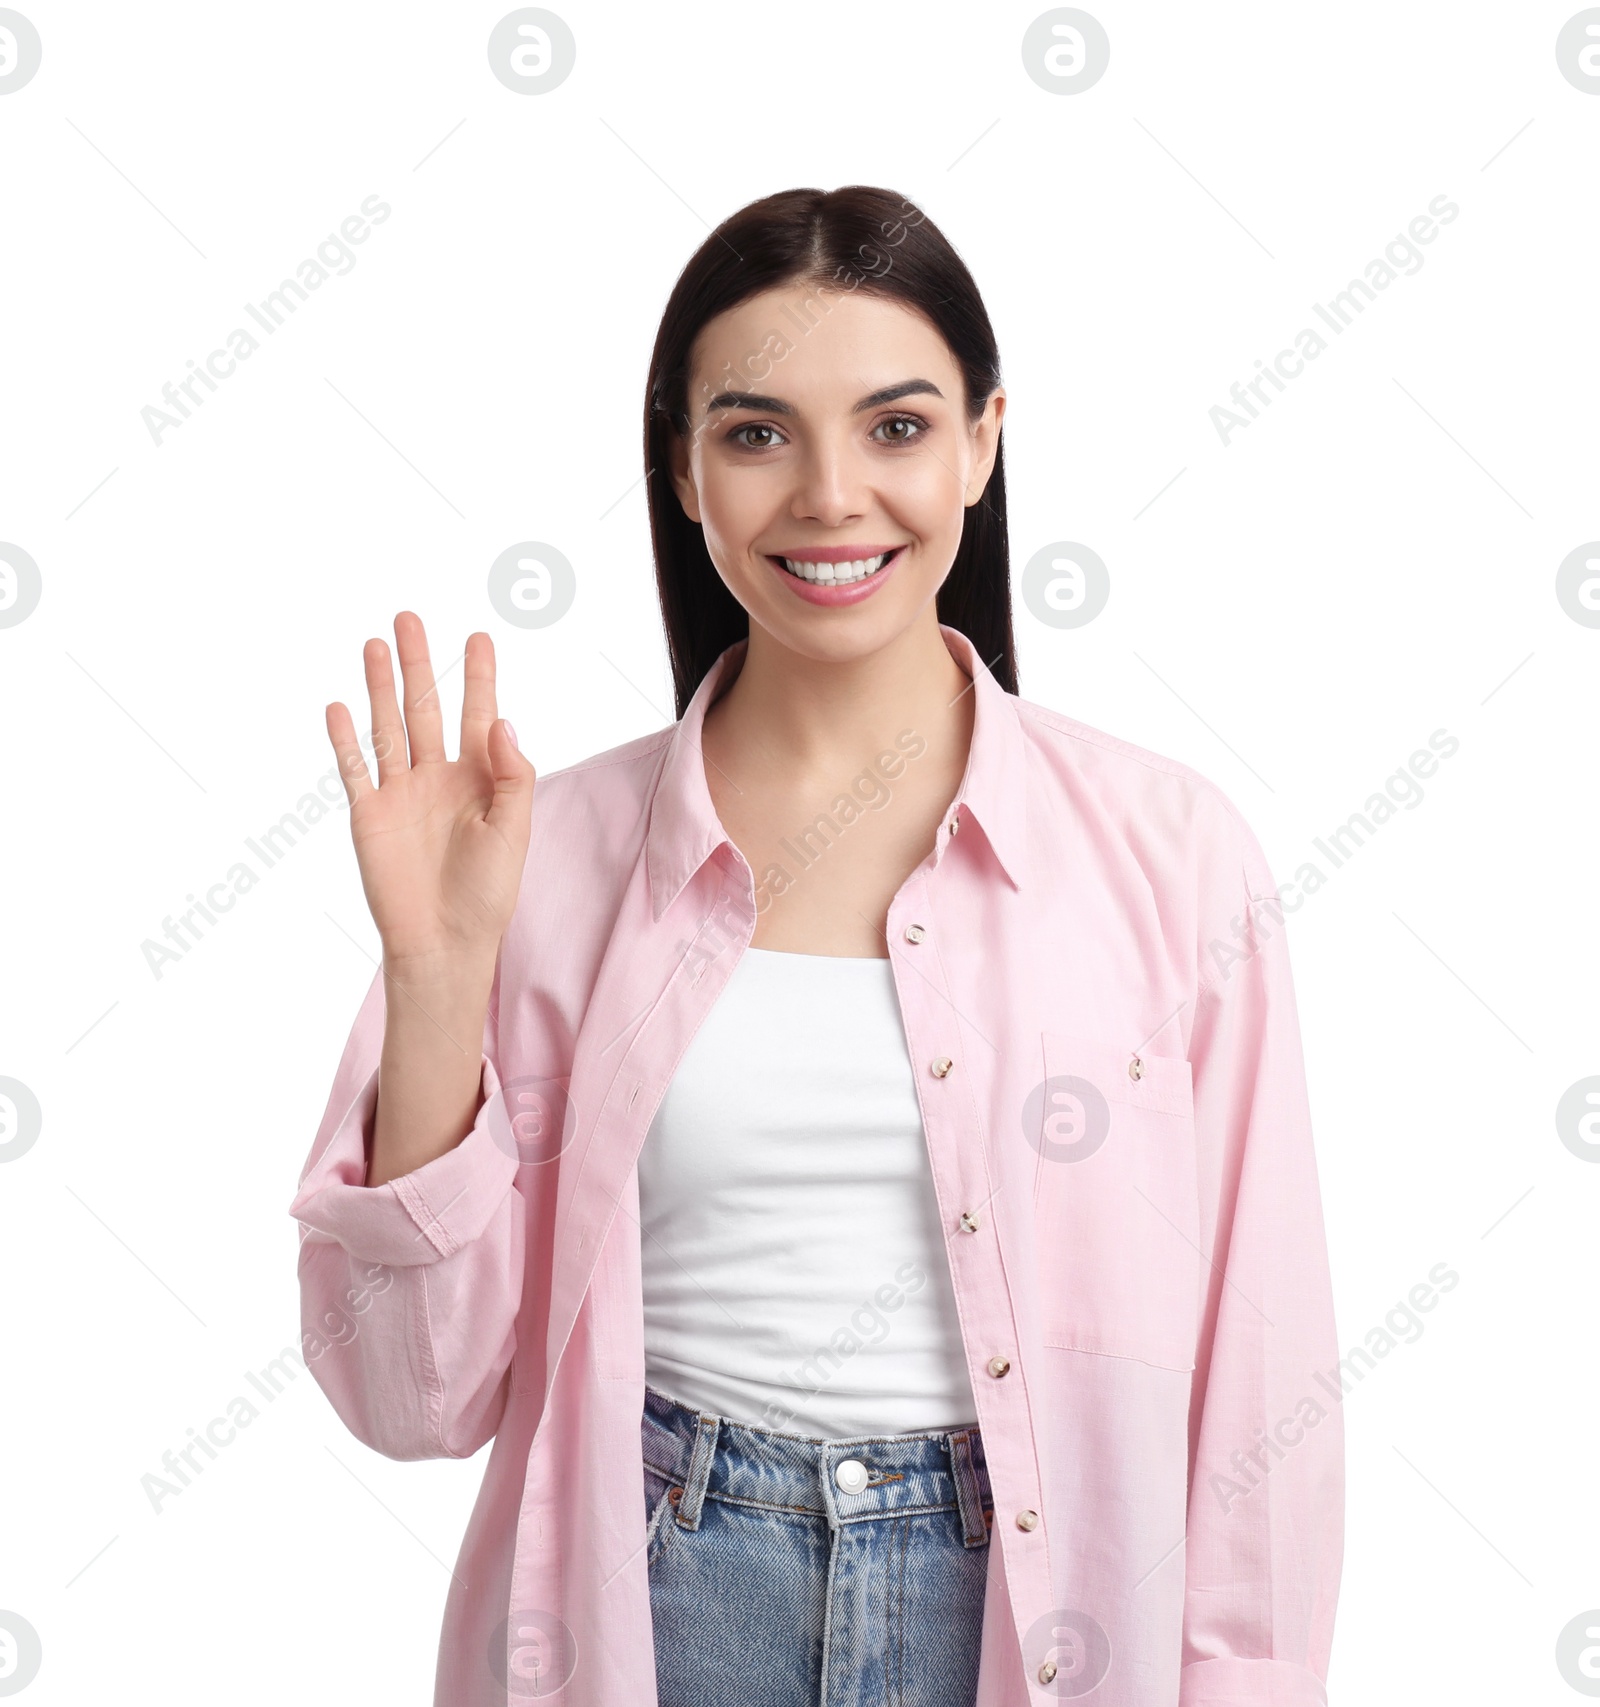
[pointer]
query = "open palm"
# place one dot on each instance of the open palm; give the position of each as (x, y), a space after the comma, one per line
(441, 842)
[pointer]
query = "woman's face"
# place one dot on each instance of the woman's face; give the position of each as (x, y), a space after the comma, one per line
(828, 433)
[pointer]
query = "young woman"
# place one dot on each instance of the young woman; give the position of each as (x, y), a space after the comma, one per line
(849, 1149)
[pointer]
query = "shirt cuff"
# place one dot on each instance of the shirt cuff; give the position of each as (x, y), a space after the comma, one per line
(419, 1217)
(1250, 1683)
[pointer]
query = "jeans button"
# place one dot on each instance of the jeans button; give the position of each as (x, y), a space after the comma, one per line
(851, 1475)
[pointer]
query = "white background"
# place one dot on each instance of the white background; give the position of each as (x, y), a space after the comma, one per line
(1374, 559)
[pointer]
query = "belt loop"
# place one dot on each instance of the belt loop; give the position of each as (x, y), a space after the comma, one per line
(699, 1471)
(969, 1493)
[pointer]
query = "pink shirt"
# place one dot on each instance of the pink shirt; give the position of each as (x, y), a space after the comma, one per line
(1095, 986)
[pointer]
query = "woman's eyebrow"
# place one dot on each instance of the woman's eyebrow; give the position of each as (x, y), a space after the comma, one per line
(776, 405)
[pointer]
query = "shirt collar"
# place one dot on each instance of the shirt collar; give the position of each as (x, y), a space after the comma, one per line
(685, 830)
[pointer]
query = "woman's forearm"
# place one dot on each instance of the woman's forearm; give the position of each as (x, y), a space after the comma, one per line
(429, 1071)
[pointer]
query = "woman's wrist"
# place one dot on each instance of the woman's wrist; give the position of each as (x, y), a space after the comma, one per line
(448, 978)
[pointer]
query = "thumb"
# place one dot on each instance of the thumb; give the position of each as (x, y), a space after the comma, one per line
(513, 778)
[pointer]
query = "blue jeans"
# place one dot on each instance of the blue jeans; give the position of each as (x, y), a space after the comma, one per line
(792, 1571)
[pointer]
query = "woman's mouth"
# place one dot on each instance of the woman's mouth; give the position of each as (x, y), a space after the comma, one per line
(846, 582)
(836, 574)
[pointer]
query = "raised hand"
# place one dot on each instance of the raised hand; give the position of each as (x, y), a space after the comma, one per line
(441, 842)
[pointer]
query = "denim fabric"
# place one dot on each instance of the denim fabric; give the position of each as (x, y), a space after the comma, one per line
(772, 1586)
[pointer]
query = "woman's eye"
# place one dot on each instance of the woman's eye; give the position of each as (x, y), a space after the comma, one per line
(917, 429)
(736, 436)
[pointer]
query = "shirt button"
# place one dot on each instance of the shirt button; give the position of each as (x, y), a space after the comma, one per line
(1136, 1068)
(999, 1365)
(1027, 1520)
(941, 1066)
(851, 1475)
(955, 824)
(1047, 1671)
(969, 1221)
(915, 933)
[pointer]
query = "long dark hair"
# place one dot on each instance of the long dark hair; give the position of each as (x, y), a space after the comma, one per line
(855, 237)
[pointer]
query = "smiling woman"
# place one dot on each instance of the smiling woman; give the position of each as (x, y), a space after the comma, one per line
(847, 335)
(773, 478)
(717, 1120)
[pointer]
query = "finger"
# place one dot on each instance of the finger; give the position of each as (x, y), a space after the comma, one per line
(478, 708)
(347, 750)
(513, 785)
(424, 725)
(388, 732)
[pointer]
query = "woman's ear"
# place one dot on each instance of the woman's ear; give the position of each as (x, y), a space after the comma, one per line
(985, 445)
(682, 479)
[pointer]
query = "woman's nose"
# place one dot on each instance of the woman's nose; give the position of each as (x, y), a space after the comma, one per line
(832, 486)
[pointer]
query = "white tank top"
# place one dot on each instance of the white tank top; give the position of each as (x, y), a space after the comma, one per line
(794, 1266)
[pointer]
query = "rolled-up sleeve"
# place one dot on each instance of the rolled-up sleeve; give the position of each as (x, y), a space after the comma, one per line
(409, 1290)
(1266, 1436)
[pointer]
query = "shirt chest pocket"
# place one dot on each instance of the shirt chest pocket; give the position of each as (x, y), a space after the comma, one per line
(1116, 1201)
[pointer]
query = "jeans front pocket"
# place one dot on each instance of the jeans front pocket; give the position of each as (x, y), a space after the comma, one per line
(659, 1500)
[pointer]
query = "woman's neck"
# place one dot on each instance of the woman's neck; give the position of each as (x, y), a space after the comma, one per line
(818, 717)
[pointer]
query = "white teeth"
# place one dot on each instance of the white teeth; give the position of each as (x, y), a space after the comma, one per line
(835, 574)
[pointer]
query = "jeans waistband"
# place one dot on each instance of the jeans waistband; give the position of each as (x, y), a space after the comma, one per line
(904, 1473)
